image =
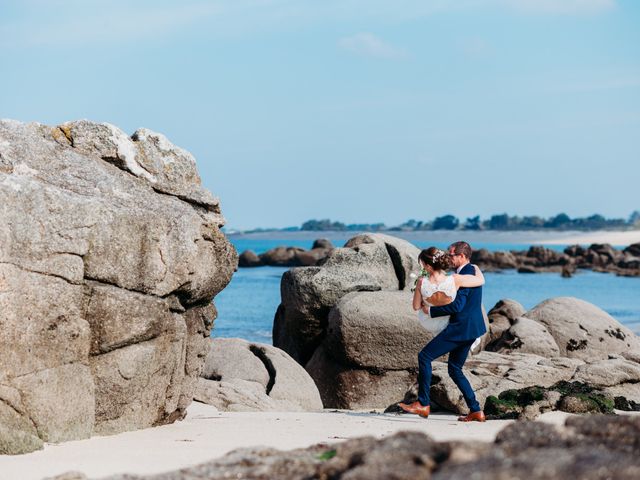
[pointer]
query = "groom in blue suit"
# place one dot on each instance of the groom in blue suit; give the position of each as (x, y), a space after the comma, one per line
(466, 324)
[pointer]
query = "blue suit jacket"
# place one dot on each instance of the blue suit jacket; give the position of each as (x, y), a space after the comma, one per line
(466, 322)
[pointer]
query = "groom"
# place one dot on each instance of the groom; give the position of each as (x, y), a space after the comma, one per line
(465, 325)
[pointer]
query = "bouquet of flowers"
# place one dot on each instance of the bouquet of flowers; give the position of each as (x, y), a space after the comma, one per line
(417, 276)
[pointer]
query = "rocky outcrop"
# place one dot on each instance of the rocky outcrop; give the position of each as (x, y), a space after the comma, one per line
(592, 447)
(288, 256)
(369, 263)
(341, 320)
(597, 257)
(582, 330)
(110, 256)
(242, 376)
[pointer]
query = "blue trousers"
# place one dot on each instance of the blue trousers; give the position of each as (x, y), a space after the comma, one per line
(458, 352)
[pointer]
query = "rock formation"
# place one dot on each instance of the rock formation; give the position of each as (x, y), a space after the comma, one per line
(288, 256)
(349, 321)
(537, 259)
(596, 257)
(110, 254)
(240, 376)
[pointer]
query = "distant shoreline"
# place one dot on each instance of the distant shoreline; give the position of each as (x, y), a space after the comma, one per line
(527, 237)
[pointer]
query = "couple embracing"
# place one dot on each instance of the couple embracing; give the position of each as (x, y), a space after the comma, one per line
(458, 296)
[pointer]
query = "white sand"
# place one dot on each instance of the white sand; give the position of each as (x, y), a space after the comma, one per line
(206, 434)
(587, 238)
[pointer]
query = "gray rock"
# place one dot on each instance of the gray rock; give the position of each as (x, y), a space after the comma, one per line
(322, 243)
(376, 330)
(608, 373)
(249, 258)
(492, 373)
(235, 395)
(403, 254)
(112, 246)
(582, 330)
(356, 388)
(230, 358)
(368, 262)
(312, 257)
(527, 336)
(244, 376)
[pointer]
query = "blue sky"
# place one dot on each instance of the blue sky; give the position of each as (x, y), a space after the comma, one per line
(359, 111)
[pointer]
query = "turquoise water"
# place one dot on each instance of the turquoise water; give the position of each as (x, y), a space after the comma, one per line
(247, 306)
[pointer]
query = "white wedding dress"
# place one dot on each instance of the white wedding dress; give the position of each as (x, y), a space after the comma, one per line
(428, 289)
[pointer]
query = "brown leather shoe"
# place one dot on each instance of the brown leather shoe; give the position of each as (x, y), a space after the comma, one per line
(416, 408)
(473, 417)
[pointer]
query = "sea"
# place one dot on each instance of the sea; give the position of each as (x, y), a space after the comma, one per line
(246, 307)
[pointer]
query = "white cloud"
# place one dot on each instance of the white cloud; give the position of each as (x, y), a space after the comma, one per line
(368, 45)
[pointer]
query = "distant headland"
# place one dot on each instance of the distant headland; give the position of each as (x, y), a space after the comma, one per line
(500, 222)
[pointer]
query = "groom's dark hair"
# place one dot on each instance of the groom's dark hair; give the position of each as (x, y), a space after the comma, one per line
(461, 248)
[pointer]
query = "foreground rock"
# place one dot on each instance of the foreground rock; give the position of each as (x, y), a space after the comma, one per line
(241, 376)
(596, 447)
(110, 256)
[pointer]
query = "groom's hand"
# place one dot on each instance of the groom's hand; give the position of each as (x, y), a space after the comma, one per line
(425, 308)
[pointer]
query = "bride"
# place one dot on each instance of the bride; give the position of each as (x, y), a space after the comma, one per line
(438, 288)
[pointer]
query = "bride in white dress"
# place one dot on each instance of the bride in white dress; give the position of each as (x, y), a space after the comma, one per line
(438, 288)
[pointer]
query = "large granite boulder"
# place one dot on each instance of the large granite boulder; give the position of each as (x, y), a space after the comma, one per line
(526, 336)
(367, 263)
(242, 376)
(582, 330)
(110, 255)
(376, 330)
(350, 321)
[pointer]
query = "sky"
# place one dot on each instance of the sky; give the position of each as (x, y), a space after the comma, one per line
(360, 111)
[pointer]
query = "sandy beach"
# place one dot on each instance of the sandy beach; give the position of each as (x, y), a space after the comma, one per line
(207, 433)
(587, 238)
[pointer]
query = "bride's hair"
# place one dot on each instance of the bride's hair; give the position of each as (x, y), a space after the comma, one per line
(435, 258)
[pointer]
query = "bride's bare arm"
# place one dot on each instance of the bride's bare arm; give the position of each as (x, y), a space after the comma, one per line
(469, 281)
(417, 295)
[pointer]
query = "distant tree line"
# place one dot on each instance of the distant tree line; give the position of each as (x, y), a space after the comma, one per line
(503, 221)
